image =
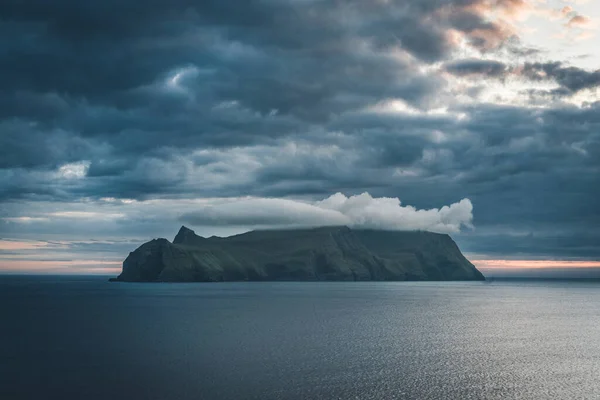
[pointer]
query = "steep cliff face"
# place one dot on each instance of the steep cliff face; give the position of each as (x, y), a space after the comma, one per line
(327, 253)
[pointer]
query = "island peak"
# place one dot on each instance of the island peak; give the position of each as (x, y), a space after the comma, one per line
(186, 236)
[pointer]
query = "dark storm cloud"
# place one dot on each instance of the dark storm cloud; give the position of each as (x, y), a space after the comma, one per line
(476, 67)
(99, 73)
(24, 145)
(97, 50)
(569, 243)
(571, 79)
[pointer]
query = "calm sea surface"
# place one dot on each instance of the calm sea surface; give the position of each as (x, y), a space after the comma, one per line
(85, 338)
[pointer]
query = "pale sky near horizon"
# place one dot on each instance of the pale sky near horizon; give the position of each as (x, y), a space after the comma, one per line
(121, 121)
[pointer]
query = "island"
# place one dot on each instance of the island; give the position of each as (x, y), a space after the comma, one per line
(316, 254)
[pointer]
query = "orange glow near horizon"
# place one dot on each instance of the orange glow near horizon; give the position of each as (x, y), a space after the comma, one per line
(532, 264)
(57, 267)
(114, 267)
(21, 245)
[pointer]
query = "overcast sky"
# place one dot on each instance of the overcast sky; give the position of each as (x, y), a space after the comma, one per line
(122, 120)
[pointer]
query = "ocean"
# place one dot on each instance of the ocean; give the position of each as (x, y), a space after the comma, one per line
(86, 338)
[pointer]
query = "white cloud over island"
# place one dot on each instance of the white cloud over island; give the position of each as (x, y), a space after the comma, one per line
(361, 211)
(106, 218)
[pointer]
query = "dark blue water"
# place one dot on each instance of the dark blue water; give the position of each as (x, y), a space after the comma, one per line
(85, 338)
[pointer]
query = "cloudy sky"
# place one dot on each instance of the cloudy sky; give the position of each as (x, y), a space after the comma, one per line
(122, 120)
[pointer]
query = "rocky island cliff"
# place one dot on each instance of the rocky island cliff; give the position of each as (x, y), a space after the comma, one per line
(316, 254)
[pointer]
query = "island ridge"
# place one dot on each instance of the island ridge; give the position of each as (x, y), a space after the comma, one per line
(315, 254)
